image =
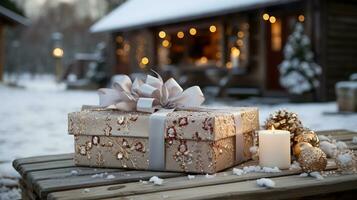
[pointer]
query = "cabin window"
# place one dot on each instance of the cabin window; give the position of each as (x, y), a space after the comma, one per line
(238, 44)
(191, 46)
(123, 48)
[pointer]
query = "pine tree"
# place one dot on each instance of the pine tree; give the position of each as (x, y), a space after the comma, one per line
(298, 71)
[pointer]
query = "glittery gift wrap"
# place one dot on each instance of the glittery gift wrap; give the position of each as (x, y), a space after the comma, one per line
(195, 141)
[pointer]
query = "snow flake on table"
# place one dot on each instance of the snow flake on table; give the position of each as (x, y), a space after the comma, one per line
(266, 182)
(156, 180)
(255, 169)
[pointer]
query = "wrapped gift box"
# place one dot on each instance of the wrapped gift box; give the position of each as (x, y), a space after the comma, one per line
(192, 141)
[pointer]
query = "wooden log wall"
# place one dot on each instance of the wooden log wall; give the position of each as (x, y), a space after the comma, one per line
(341, 42)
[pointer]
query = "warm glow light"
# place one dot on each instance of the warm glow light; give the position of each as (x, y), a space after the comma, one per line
(145, 60)
(180, 34)
(301, 18)
(193, 31)
(162, 34)
(213, 28)
(57, 52)
(119, 39)
(240, 42)
(165, 43)
(203, 60)
(120, 52)
(272, 19)
(266, 16)
(235, 51)
(229, 65)
(240, 34)
(126, 47)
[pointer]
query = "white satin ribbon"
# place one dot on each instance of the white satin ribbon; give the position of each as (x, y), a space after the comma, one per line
(150, 95)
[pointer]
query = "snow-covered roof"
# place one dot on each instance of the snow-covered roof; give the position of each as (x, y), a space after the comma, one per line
(13, 17)
(140, 13)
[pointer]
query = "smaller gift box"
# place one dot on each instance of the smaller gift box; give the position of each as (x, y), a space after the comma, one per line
(163, 129)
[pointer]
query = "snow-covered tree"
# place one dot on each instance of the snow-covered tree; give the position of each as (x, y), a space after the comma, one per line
(298, 71)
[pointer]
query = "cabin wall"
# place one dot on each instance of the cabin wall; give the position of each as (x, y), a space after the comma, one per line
(340, 42)
(1, 51)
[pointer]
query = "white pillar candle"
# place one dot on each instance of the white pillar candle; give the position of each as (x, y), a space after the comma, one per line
(274, 148)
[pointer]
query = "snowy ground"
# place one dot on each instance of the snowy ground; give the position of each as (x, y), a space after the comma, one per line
(33, 121)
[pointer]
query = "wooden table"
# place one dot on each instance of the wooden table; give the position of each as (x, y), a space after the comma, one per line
(56, 177)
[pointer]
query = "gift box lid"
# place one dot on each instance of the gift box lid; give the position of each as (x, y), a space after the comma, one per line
(213, 124)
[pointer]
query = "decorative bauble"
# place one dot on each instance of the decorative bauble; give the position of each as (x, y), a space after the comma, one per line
(299, 147)
(312, 159)
(285, 120)
(308, 136)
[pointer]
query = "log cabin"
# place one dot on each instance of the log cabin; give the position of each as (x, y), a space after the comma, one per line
(9, 16)
(235, 46)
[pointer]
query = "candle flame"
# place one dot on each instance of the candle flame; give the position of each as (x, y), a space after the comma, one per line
(272, 127)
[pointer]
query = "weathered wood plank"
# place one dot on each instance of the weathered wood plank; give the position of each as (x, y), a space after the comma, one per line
(286, 187)
(66, 172)
(121, 190)
(42, 188)
(37, 159)
(26, 168)
(35, 176)
(25, 193)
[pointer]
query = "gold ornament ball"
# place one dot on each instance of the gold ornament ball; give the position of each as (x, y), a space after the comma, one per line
(312, 159)
(309, 137)
(299, 147)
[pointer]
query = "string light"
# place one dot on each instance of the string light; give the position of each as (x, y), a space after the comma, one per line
(165, 43)
(266, 16)
(162, 34)
(213, 28)
(180, 34)
(272, 19)
(240, 34)
(145, 60)
(193, 31)
(301, 18)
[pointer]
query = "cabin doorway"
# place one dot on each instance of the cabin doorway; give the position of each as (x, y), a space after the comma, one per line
(278, 29)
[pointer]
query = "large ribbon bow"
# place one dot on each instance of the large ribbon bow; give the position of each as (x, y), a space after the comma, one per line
(149, 95)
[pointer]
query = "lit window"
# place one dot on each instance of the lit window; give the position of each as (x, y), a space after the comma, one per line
(276, 36)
